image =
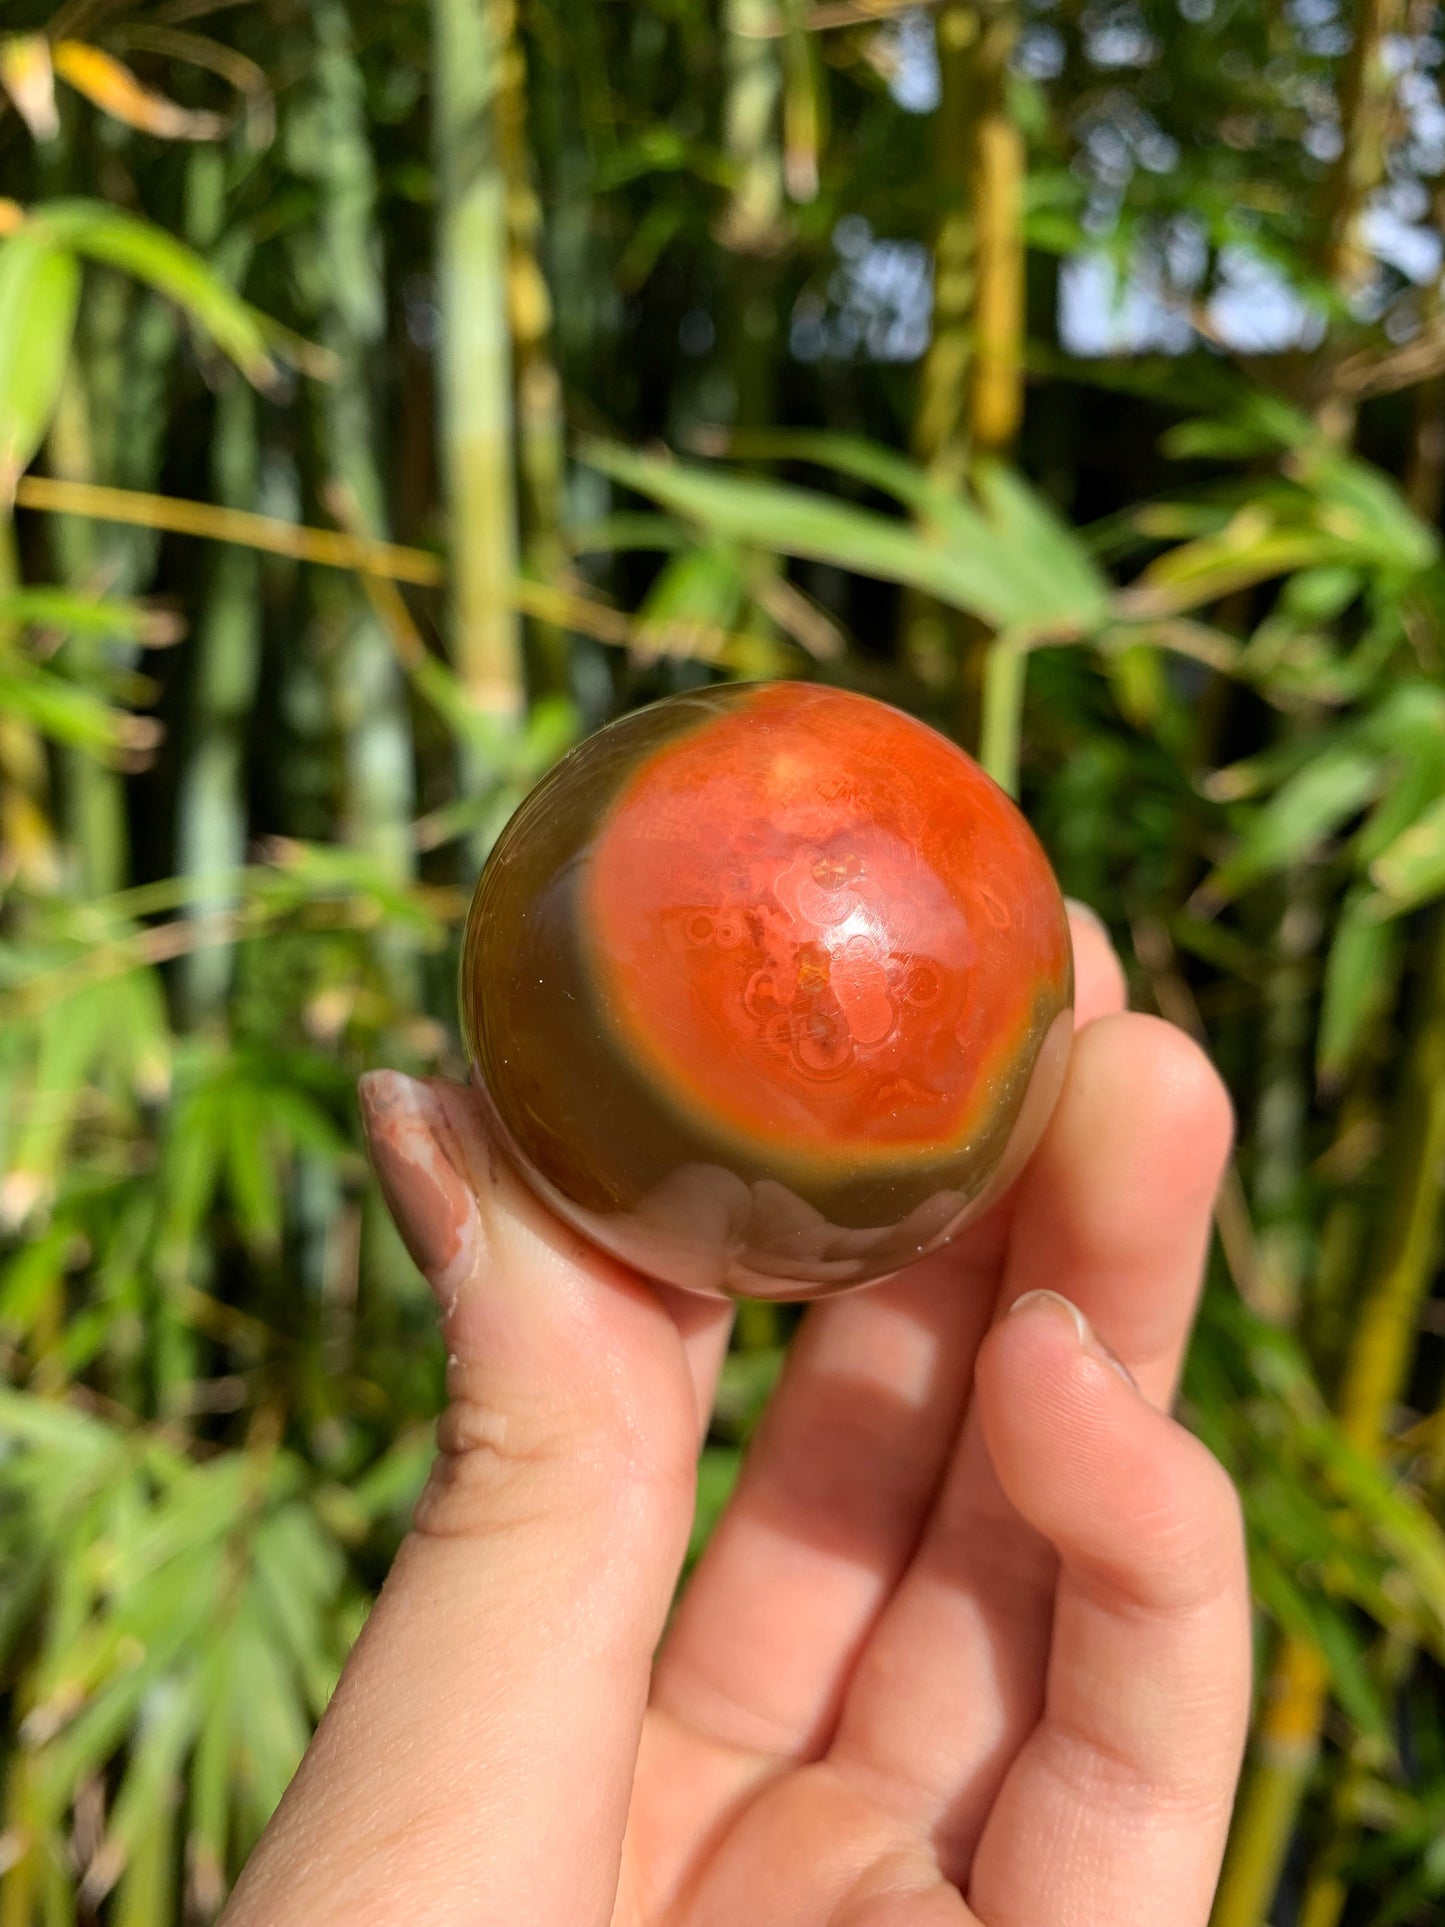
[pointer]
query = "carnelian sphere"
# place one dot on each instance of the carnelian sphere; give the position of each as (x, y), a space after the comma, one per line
(769, 989)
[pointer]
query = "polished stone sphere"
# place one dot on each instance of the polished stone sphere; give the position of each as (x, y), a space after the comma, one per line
(769, 990)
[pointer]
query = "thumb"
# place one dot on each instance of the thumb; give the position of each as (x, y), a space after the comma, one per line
(477, 1759)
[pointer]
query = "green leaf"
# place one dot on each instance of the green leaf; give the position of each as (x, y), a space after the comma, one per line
(39, 294)
(83, 615)
(1300, 816)
(139, 248)
(70, 713)
(696, 594)
(1358, 976)
(989, 577)
(1411, 870)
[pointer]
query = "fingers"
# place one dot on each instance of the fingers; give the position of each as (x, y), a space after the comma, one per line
(1114, 1211)
(1116, 1207)
(830, 1504)
(479, 1753)
(1118, 1805)
(839, 1480)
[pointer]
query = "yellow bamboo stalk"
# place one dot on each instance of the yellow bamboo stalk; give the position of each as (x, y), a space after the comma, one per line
(1287, 1740)
(1366, 93)
(998, 183)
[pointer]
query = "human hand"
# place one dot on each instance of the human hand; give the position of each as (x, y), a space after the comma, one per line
(970, 1645)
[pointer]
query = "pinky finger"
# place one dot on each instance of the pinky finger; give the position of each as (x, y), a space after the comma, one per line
(1118, 1804)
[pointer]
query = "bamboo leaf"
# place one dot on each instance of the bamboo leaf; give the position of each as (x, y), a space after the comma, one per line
(146, 1799)
(39, 293)
(87, 615)
(27, 77)
(1301, 815)
(147, 252)
(72, 714)
(1411, 870)
(989, 578)
(114, 89)
(1358, 978)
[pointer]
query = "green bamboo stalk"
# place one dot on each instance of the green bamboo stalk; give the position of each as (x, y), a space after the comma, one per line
(211, 812)
(470, 41)
(93, 796)
(1288, 1738)
(970, 394)
(1283, 1103)
(752, 227)
(370, 694)
(27, 835)
(541, 434)
(940, 428)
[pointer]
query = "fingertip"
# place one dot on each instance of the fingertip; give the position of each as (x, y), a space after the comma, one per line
(426, 1189)
(1100, 987)
(1118, 1487)
(1141, 1092)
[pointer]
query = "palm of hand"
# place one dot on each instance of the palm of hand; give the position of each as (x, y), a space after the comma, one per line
(852, 1723)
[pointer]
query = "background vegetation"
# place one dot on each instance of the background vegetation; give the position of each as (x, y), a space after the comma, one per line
(1070, 371)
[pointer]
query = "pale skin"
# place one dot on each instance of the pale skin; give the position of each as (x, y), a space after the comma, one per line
(969, 1648)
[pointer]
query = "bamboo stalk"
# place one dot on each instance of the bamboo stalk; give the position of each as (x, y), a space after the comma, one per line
(93, 797)
(1288, 1737)
(752, 227)
(471, 38)
(27, 837)
(211, 809)
(541, 443)
(940, 429)
(998, 168)
(970, 395)
(1366, 93)
(368, 692)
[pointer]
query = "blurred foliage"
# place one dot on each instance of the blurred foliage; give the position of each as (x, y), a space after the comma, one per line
(389, 394)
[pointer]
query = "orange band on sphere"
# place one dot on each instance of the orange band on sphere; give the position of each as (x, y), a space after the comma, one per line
(821, 929)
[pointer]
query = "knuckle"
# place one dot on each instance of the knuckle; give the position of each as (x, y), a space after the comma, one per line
(509, 1459)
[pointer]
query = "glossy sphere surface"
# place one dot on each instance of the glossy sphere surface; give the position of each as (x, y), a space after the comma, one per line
(769, 989)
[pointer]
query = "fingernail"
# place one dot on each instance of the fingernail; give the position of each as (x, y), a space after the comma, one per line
(1089, 1339)
(1083, 912)
(434, 1206)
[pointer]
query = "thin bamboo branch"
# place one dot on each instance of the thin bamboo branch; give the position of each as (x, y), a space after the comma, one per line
(382, 561)
(175, 516)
